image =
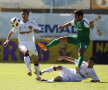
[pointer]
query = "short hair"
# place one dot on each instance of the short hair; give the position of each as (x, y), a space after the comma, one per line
(25, 10)
(78, 12)
(93, 58)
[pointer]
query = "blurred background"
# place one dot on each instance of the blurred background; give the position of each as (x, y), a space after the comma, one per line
(49, 14)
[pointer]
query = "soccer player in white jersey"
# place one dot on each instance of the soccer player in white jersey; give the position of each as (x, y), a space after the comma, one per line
(70, 75)
(26, 31)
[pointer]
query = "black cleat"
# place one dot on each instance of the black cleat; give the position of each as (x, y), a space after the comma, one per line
(43, 80)
(40, 73)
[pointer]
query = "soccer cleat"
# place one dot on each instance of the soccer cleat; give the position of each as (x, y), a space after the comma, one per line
(50, 80)
(29, 73)
(42, 46)
(38, 78)
(43, 80)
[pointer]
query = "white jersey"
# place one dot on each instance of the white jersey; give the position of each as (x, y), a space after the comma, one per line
(70, 75)
(24, 32)
(87, 72)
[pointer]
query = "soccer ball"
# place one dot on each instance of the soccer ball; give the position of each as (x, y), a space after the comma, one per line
(14, 22)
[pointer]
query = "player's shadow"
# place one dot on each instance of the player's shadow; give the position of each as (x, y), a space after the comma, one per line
(103, 82)
(96, 82)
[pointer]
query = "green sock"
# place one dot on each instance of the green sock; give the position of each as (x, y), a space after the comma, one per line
(80, 60)
(53, 43)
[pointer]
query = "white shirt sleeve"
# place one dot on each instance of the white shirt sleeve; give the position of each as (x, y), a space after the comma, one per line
(83, 63)
(86, 23)
(14, 30)
(94, 75)
(76, 61)
(35, 26)
(72, 22)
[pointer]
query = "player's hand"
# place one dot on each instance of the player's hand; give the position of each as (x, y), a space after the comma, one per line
(91, 23)
(60, 27)
(5, 43)
(61, 58)
(30, 27)
(77, 69)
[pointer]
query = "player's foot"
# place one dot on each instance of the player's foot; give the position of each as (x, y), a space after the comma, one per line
(38, 78)
(42, 46)
(29, 73)
(43, 80)
(50, 80)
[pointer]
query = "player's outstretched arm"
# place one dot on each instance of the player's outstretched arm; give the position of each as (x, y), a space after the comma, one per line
(66, 58)
(8, 38)
(65, 25)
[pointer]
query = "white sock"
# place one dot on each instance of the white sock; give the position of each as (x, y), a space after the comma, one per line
(27, 62)
(48, 70)
(36, 68)
(51, 80)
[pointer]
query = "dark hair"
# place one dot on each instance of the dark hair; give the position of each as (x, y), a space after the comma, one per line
(78, 12)
(25, 10)
(93, 58)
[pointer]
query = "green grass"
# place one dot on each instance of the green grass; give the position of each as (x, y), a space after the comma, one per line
(14, 77)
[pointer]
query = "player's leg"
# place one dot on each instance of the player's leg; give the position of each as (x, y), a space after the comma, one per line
(53, 43)
(34, 57)
(56, 79)
(81, 56)
(63, 71)
(36, 65)
(81, 50)
(24, 50)
(52, 69)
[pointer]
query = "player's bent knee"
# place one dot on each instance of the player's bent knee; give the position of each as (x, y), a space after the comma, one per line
(81, 51)
(63, 39)
(35, 59)
(59, 68)
(26, 53)
(58, 79)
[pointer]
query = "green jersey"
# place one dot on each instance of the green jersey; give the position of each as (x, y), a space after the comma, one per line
(82, 28)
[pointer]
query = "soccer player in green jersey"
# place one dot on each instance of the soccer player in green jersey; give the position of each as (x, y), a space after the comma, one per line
(82, 39)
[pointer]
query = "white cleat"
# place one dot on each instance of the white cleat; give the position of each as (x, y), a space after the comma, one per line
(50, 80)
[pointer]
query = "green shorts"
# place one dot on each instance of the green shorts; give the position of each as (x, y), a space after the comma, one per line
(74, 40)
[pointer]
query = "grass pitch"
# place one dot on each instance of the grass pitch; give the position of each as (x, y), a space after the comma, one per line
(13, 77)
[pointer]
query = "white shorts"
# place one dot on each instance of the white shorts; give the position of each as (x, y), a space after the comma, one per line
(28, 45)
(69, 75)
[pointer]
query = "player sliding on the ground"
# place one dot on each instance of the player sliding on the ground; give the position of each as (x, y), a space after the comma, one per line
(82, 39)
(26, 30)
(70, 75)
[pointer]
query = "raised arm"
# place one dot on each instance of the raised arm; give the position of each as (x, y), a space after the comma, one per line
(65, 25)
(66, 58)
(34, 26)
